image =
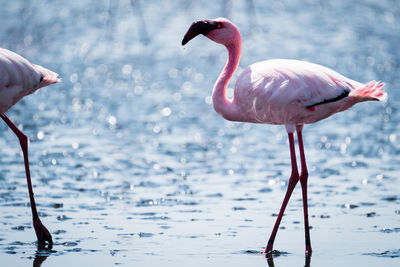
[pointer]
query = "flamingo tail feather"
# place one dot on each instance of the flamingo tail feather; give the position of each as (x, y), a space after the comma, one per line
(371, 91)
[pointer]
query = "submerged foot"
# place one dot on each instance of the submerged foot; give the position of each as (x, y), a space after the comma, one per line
(268, 250)
(42, 234)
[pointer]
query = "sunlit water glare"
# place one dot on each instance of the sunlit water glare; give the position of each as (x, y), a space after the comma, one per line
(131, 165)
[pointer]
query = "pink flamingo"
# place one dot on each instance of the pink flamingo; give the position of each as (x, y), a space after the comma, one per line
(18, 78)
(281, 91)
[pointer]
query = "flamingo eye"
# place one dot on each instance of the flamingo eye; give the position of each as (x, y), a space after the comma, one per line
(219, 25)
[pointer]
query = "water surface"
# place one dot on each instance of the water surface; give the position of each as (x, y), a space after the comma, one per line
(131, 165)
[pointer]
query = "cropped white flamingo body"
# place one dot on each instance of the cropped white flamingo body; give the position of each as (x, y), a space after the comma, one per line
(19, 77)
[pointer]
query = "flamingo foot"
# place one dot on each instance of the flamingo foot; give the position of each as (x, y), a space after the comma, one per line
(268, 249)
(42, 234)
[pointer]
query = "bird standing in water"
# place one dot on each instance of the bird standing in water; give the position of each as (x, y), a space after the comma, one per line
(281, 91)
(18, 78)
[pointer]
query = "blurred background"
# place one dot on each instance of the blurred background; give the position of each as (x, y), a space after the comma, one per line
(131, 164)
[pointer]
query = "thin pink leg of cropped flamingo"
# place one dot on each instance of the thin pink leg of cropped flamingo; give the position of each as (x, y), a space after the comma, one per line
(41, 231)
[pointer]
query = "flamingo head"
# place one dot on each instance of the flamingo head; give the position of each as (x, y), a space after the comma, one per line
(219, 30)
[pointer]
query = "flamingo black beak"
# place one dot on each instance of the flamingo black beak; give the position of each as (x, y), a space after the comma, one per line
(199, 27)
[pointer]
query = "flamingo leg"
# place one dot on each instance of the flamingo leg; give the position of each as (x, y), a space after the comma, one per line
(42, 233)
(294, 178)
(303, 182)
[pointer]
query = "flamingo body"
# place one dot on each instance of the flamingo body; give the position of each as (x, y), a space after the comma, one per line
(281, 91)
(18, 78)
(294, 92)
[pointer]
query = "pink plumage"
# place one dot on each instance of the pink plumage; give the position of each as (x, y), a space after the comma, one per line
(281, 91)
(371, 91)
(289, 92)
(18, 78)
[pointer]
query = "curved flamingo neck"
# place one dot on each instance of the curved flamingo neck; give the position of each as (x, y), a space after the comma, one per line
(222, 104)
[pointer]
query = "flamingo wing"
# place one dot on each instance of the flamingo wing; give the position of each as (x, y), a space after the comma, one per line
(276, 91)
(20, 71)
(293, 81)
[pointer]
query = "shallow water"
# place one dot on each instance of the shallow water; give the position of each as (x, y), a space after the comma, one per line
(131, 165)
